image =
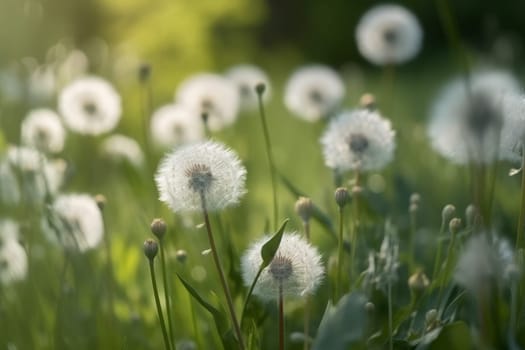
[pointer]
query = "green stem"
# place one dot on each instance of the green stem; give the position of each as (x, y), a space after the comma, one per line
(225, 287)
(437, 261)
(281, 317)
(306, 317)
(445, 275)
(269, 154)
(521, 218)
(167, 299)
(250, 292)
(339, 281)
(59, 341)
(411, 251)
(157, 304)
(390, 322)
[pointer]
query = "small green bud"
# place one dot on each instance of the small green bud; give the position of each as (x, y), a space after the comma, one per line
(413, 208)
(418, 282)
(100, 199)
(151, 249)
(370, 307)
(158, 228)
(260, 88)
(447, 212)
(341, 197)
(368, 101)
(181, 256)
(304, 208)
(431, 319)
(454, 225)
(471, 214)
(415, 198)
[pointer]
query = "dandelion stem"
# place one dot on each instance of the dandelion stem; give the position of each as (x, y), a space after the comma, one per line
(59, 341)
(521, 217)
(437, 261)
(411, 252)
(445, 275)
(340, 256)
(306, 324)
(166, 289)
(225, 287)
(260, 90)
(157, 304)
(281, 317)
(390, 330)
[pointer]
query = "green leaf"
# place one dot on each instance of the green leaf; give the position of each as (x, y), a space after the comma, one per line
(221, 321)
(317, 214)
(269, 248)
(343, 324)
(454, 336)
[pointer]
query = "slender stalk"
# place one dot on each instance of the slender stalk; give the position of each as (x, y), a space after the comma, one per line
(306, 324)
(281, 317)
(59, 341)
(167, 293)
(260, 90)
(437, 261)
(339, 281)
(445, 275)
(521, 218)
(224, 284)
(157, 304)
(390, 326)
(411, 239)
(250, 292)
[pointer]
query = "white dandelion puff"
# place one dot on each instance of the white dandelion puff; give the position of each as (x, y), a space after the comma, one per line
(212, 95)
(13, 257)
(246, 77)
(123, 148)
(513, 131)
(388, 34)
(296, 266)
(43, 130)
(314, 92)
(466, 120)
(209, 169)
(358, 140)
(74, 221)
(175, 125)
(90, 106)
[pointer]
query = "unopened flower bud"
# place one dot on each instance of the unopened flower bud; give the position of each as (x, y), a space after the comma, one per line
(144, 72)
(413, 208)
(304, 208)
(431, 319)
(260, 88)
(415, 198)
(181, 256)
(158, 228)
(471, 214)
(447, 212)
(151, 248)
(454, 225)
(100, 199)
(370, 307)
(341, 197)
(368, 101)
(418, 282)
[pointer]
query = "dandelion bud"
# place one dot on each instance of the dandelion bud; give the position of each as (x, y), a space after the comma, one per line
(415, 198)
(471, 213)
(413, 208)
(158, 228)
(100, 199)
(418, 282)
(151, 248)
(341, 197)
(144, 72)
(357, 190)
(260, 88)
(370, 307)
(304, 208)
(368, 101)
(431, 319)
(447, 212)
(181, 256)
(454, 225)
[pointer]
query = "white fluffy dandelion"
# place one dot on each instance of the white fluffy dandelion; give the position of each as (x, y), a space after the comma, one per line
(75, 221)
(466, 121)
(123, 148)
(212, 95)
(13, 257)
(388, 34)
(358, 140)
(296, 265)
(90, 106)
(314, 92)
(513, 131)
(207, 168)
(43, 130)
(175, 125)
(246, 77)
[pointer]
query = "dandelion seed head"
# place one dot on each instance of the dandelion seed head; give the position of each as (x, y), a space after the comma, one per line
(13, 257)
(388, 34)
(513, 131)
(314, 92)
(212, 95)
(90, 106)
(175, 125)
(359, 139)
(246, 77)
(207, 168)
(296, 266)
(74, 221)
(123, 148)
(465, 124)
(43, 130)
